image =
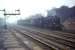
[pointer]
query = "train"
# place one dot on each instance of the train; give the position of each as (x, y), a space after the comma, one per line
(52, 23)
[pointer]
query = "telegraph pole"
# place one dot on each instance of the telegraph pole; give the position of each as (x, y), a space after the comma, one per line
(10, 14)
(4, 17)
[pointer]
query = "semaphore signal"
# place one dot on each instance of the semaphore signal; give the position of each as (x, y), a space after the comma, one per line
(10, 14)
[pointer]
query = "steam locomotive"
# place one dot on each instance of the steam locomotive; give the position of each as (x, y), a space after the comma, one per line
(52, 22)
(55, 23)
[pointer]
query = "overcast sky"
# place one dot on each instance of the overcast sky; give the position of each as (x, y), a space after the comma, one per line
(31, 7)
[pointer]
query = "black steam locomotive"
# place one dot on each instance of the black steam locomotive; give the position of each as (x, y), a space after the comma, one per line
(52, 22)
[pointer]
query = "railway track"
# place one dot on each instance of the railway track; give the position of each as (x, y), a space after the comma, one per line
(56, 42)
(9, 41)
(21, 41)
(33, 44)
(61, 35)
